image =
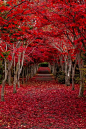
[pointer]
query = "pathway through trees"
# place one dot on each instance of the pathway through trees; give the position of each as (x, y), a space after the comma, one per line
(43, 74)
(41, 104)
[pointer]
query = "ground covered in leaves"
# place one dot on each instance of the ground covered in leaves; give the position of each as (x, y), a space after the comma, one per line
(43, 105)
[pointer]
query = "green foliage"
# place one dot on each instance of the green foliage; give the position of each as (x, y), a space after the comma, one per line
(31, 27)
(77, 79)
(61, 77)
(0, 76)
(44, 64)
(5, 54)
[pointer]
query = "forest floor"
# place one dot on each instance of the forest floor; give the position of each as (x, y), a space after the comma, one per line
(43, 104)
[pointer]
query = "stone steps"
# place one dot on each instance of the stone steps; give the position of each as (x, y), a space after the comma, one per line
(43, 75)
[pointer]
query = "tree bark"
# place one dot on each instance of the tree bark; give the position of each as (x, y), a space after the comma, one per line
(67, 71)
(61, 63)
(23, 76)
(49, 65)
(20, 66)
(19, 57)
(3, 86)
(27, 72)
(9, 68)
(9, 78)
(81, 89)
(32, 71)
(14, 83)
(73, 72)
(80, 63)
(15, 79)
(81, 84)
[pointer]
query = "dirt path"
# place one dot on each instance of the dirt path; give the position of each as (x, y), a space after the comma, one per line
(43, 104)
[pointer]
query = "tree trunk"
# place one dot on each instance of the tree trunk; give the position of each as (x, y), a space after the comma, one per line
(3, 86)
(31, 71)
(14, 83)
(67, 71)
(20, 66)
(6, 74)
(15, 79)
(28, 72)
(49, 65)
(80, 63)
(53, 69)
(4, 81)
(19, 57)
(23, 76)
(35, 70)
(61, 63)
(18, 80)
(73, 74)
(9, 78)
(81, 90)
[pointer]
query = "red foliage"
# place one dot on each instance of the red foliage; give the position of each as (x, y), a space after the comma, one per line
(43, 104)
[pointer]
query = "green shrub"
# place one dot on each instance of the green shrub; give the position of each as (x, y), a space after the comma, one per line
(43, 64)
(77, 78)
(61, 77)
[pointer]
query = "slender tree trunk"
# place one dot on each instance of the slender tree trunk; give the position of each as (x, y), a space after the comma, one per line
(73, 72)
(61, 63)
(9, 78)
(18, 80)
(15, 79)
(67, 71)
(35, 70)
(4, 81)
(3, 86)
(27, 74)
(31, 71)
(80, 63)
(14, 83)
(81, 90)
(19, 57)
(49, 65)
(6, 74)
(53, 68)
(20, 66)
(23, 76)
